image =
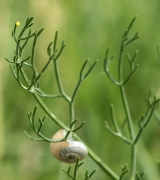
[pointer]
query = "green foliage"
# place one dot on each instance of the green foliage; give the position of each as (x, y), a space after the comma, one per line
(139, 177)
(76, 168)
(88, 28)
(33, 86)
(124, 171)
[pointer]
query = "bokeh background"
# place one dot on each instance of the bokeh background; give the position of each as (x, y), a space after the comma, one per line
(88, 27)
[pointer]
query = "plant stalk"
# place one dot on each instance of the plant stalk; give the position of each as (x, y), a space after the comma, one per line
(99, 162)
(95, 158)
(131, 132)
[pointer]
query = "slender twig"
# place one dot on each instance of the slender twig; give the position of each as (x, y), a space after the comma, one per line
(124, 171)
(95, 158)
(120, 83)
(99, 161)
(118, 134)
(60, 87)
(82, 77)
(75, 171)
(114, 118)
(32, 85)
(145, 119)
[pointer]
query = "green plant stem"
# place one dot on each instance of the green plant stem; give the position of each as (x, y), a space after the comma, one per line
(133, 160)
(71, 109)
(76, 89)
(95, 158)
(72, 117)
(99, 162)
(131, 132)
(124, 98)
(126, 107)
(70, 101)
(31, 88)
(120, 63)
(59, 81)
(127, 111)
(48, 112)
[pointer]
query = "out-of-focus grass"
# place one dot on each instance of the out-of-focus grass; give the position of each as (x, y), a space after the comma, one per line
(88, 28)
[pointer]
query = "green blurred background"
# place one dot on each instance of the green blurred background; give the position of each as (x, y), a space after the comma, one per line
(88, 27)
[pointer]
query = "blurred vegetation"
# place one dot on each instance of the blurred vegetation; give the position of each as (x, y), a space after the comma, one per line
(88, 28)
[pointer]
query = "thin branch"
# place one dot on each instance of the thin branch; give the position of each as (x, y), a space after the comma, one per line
(82, 77)
(145, 119)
